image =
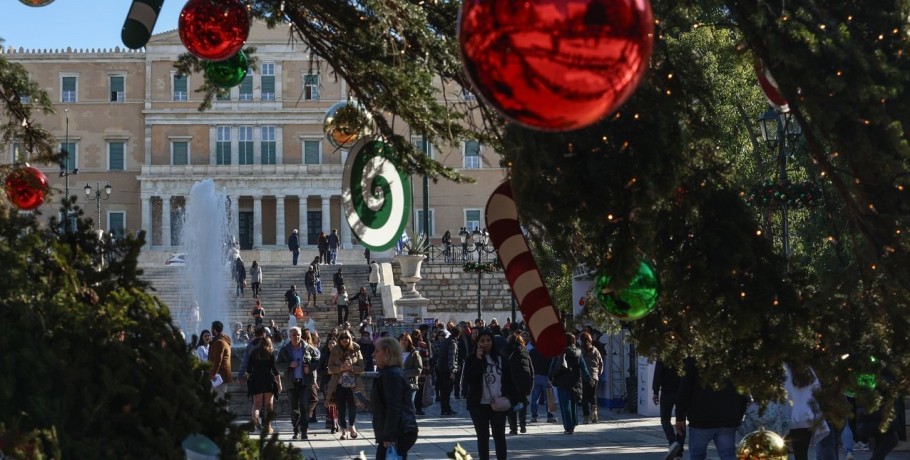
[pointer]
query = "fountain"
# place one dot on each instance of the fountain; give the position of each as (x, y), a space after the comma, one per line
(205, 229)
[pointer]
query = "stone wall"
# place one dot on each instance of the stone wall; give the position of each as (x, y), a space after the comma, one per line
(452, 293)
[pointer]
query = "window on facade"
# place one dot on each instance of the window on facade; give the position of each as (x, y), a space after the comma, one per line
(223, 146)
(267, 83)
(269, 146)
(311, 87)
(420, 227)
(116, 223)
(245, 145)
(180, 85)
(116, 156)
(422, 145)
(69, 163)
(68, 89)
(246, 86)
(311, 152)
(472, 155)
(223, 95)
(116, 84)
(181, 153)
(472, 219)
(18, 154)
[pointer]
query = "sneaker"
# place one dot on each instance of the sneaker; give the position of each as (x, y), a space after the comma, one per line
(533, 420)
(296, 435)
(552, 420)
(860, 446)
(675, 449)
(512, 432)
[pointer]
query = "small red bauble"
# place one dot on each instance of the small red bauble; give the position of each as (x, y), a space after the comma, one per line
(26, 187)
(556, 65)
(214, 30)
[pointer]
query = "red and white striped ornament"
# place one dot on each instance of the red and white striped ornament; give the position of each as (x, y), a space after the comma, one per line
(522, 272)
(769, 87)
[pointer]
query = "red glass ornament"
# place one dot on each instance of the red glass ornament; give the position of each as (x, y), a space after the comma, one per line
(36, 3)
(213, 30)
(26, 187)
(556, 64)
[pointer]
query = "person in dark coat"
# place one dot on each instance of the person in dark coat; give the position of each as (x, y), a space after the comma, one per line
(465, 347)
(298, 362)
(665, 384)
(394, 418)
(486, 376)
(566, 374)
(542, 385)
(294, 246)
(712, 414)
(446, 368)
(523, 377)
(239, 275)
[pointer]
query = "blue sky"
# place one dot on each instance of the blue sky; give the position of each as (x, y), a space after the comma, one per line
(74, 23)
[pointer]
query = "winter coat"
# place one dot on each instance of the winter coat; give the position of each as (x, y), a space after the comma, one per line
(522, 370)
(256, 274)
(447, 356)
(293, 242)
(336, 359)
(311, 357)
(220, 357)
(412, 368)
(705, 407)
(374, 272)
(392, 407)
(569, 377)
(239, 270)
(332, 241)
(666, 379)
(594, 361)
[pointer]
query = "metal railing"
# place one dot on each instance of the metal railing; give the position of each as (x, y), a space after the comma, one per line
(460, 254)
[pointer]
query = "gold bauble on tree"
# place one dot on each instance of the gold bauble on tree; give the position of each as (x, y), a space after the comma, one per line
(762, 445)
(345, 123)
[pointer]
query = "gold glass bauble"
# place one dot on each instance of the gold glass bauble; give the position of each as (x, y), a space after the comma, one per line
(762, 445)
(345, 123)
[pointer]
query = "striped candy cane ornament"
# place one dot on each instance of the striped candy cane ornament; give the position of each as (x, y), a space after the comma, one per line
(522, 273)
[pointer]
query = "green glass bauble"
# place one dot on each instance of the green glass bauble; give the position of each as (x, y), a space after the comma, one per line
(228, 73)
(633, 302)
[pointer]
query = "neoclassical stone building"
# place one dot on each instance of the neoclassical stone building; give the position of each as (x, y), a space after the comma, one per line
(128, 120)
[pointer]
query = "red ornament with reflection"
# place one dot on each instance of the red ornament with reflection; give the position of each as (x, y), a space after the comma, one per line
(556, 65)
(214, 30)
(26, 187)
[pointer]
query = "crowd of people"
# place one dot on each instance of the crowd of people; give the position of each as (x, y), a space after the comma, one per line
(495, 369)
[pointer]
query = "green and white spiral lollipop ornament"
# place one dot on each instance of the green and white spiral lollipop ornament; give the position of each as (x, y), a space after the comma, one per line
(375, 194)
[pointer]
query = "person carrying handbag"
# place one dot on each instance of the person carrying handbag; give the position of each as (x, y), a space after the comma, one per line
(489, 394)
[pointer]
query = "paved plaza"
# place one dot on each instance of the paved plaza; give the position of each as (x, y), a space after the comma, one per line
(617, 436)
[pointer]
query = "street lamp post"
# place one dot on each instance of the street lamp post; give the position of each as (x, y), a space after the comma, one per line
(98, 196)
(781, 132)
(65, 171)
(476, 241)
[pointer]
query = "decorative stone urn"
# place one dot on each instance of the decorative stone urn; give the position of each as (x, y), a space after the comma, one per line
(410, 274)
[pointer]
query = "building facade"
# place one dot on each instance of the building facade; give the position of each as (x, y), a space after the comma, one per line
(129, 120)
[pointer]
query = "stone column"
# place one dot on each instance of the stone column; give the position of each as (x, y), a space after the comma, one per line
(147, 216)
(326, 214)
(257, 221)
(235, 218)
(166, 221)
(279, 220)
(344, 230)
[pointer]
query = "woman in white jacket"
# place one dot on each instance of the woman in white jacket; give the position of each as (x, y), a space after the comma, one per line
(807, 425)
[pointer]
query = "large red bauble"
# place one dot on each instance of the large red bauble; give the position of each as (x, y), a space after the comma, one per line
(214, 30)
(556, 64)
(26, 187)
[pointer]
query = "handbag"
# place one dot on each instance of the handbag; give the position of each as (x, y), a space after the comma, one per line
(347, 380)
(298, 312)
(498, 403)
(429, 392)
(551, 400)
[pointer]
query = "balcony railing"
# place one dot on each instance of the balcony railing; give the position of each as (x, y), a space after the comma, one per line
(243, 170)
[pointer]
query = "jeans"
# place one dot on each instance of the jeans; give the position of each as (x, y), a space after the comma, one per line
(588, 397)
(363, 312)
(444, 382)
(296, 254)
(373, 287)
(344, 398)
(826, 449)
(667, 401)
(256, 288)
(333, 254)
(300, 402)
(519, 418)
(539, 393)
(724, 440)
(485, 420)
(404, 443)
(846, 437)
(342, 313)
(568, 408)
